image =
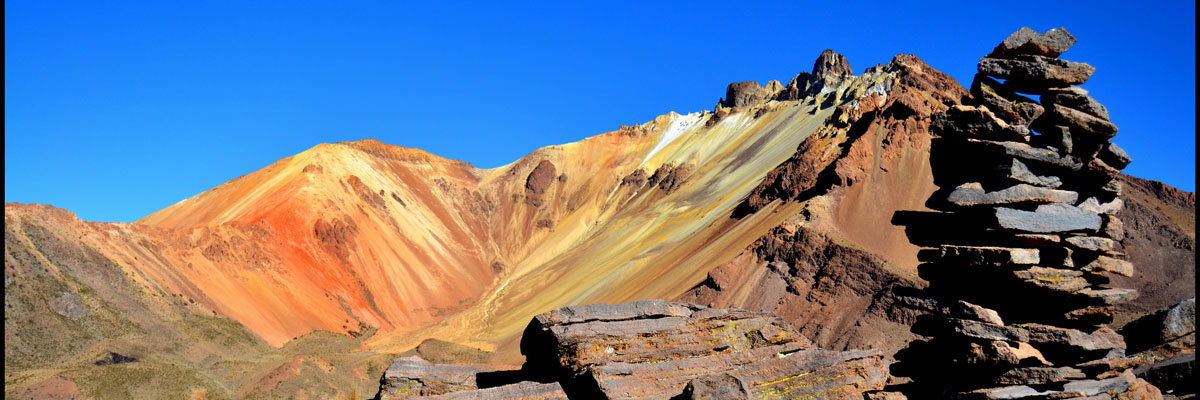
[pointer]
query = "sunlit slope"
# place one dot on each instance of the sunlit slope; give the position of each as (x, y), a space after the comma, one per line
(362, 234)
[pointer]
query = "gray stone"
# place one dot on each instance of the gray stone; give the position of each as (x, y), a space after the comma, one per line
(1110, 296)
(1030, 71)
(1181, 320)
(1115, 156)
(412, 375)
(1083, 125)
(1076, 98)
(973, 194)
(68, 305)
(1094, 244)
(1048, 218)
(1018, 171)
(1041, 155)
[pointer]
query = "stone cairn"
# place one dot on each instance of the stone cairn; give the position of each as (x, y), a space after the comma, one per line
(1023, 238)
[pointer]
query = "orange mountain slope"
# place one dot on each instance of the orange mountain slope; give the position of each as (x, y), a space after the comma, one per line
(351, 236)
(363, 236)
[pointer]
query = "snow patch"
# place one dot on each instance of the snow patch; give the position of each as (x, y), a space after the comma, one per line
(677, 127)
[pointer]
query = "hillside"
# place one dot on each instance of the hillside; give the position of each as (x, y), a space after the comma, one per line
(781, 199)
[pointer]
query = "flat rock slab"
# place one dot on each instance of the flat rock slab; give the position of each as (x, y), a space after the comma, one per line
(1048, 218)
(1051, 43)
(1036, 71)
(765, 373)
(973, 194)
(520, 390)
(617, 334)
(986, 255)
(413, 376)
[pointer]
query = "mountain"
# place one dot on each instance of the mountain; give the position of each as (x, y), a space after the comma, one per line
(305, 278)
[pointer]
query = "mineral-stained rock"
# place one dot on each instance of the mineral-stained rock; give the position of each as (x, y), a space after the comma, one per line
(1076, 98)
(1011, 107)
(1061, 280)
(1052, 43)
(1091, 316)
(973, 194)
(716, 387)
(413, 376)
(1109, 264)
(1048, 218)
(1036, 71)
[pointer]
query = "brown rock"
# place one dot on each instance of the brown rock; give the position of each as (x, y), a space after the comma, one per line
(976, 123)
(748, 93)
(1025, 73)
(716, 387)
(1052, 43)
(539, 180)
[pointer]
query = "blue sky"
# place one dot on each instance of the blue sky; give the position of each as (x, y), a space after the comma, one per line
(116, 109)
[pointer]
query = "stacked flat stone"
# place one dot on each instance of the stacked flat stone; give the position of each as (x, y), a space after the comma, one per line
(1026, 236)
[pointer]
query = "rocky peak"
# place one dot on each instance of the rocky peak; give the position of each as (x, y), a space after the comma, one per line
(831, 65)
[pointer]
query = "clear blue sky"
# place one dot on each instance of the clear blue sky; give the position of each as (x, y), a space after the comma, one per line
(117, 109)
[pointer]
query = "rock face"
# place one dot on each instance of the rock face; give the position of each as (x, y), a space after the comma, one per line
(657, 350)
(1043, 330)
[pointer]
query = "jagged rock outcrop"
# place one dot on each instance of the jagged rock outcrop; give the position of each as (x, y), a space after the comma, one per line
(659, 350)
(1028, 250)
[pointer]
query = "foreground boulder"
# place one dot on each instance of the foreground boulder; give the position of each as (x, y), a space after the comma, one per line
(654, 350)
